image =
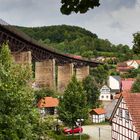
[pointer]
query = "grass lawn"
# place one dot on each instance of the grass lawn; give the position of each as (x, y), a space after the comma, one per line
(71, 137)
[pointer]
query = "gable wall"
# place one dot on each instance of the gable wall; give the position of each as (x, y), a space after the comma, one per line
(122, 128)
(133, 63)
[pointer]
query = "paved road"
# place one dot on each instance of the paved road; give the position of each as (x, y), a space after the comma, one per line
(93, 132)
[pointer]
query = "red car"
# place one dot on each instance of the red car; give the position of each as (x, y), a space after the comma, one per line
(75, 130)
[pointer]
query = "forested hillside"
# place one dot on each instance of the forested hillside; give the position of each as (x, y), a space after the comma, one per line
(76, 40)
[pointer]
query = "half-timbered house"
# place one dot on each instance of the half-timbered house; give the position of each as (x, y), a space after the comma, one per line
(105, 94)
(125, 118)
(97, 115)
(47, 105)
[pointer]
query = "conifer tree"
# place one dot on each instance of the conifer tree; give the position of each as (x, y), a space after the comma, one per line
(73, 104)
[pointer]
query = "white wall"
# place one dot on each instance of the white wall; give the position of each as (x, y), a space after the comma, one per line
(114, 82)
(133, 63)
(105, 94)
(98, 118)
(105, 97)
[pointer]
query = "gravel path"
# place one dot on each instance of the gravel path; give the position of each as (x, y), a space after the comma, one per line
(93, 132)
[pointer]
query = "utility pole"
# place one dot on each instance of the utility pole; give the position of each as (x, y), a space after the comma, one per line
(99, 133)
(80, 125)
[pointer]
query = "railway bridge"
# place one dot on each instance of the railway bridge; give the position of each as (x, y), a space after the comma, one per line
(52, 68)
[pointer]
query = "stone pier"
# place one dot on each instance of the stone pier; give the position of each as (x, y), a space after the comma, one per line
(82, 72)
(65, 73)
(45, 73)
(22, 57)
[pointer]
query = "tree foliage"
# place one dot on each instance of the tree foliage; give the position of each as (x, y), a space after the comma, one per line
(76, 40)
(73, 104)
(76, 6)
(91, 91)
(43, 93)
(18, 116)
(100, 74)
(136, 85)
(131, 73)
(136, 41)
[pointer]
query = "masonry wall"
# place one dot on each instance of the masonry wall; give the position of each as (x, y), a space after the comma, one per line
(45, 73)
(23, 57)
(65, 73)
(82, 72)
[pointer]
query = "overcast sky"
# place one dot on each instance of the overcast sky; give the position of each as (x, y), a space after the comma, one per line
(115, 20)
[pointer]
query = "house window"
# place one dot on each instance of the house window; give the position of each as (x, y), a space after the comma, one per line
(102, 96)
(126, 115)
(120, 114)
(106, 96)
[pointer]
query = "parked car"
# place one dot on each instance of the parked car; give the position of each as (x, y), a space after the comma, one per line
(73, 131)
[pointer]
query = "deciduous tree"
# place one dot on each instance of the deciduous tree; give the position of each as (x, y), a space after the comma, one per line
(136, 85)
(76, 6)
(136, 41)
(91, 91)
(18, 116)
(100, 74)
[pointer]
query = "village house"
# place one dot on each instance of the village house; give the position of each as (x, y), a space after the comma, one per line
(105, 94)
(114, 83)
(97, 115)
(133, 63)
(125, 118)
(47, 105)
(124, 67)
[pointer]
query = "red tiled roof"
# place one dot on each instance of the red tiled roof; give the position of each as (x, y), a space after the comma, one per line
(48, 102)
(138, 61)
(127, 84)
(123, 64)
(124, 68)
(98, 111)
(75, 56)
(133, 103)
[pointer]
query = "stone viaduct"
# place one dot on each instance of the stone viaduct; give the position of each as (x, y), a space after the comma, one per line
(52, 69)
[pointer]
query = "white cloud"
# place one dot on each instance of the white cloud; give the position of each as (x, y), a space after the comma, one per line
(113, 20)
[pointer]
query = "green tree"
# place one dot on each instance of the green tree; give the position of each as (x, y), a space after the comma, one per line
(132, 73)
(100, 74)
(76, 6)
(136, 41)
(92, 92)
(73, 104)
(43, 93)
(136, 85)
(18, 116)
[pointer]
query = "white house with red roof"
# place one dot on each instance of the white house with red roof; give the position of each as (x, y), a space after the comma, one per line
(128, 65)
(97, 115)
(133, 63)
(126, 84)
(47, 105)
(125, 118)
